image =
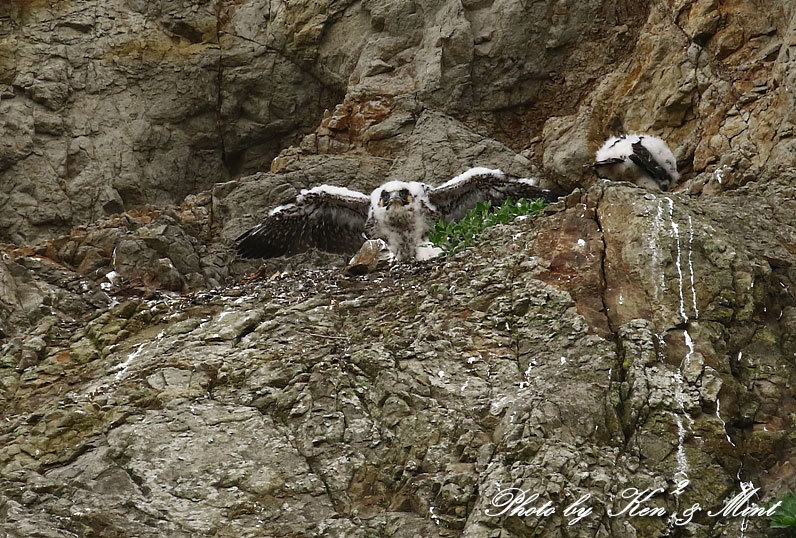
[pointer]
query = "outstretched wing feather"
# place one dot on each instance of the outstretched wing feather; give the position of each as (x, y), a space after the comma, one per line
(324, 220)
(454, 198)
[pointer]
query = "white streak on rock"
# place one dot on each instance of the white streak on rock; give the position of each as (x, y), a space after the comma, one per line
(676, 234)
(691, 265)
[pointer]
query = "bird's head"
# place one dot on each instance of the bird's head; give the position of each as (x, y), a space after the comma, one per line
(398, 196)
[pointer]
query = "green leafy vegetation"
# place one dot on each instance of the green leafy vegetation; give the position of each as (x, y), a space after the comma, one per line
(785, 516)
(455, 236)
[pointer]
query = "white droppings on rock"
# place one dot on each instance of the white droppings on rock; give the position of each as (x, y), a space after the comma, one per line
(719, 173)
(498, 405)
(682, 460)
(122, 367)
(654, 244)
(723, 424)
(432, 515)
(689, 343)
(527, 374)
(223, 315)
(111, 278)
(691, 265)
(676, 234)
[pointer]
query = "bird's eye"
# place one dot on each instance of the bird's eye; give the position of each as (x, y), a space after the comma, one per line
(404, 193)
(385, 195)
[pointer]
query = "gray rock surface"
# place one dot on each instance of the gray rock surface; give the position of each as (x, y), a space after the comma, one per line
(140, 104)
(399, 403)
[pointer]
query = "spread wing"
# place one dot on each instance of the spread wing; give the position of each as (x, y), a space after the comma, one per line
(644, 160)
(454, 198)
(328, 218)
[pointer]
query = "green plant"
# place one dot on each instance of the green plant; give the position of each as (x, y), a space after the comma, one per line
(785, 516)
(454, 236)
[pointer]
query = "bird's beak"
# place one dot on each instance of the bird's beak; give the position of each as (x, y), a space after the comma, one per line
(394, 198)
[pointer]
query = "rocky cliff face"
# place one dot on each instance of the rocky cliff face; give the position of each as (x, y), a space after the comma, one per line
(624, 339)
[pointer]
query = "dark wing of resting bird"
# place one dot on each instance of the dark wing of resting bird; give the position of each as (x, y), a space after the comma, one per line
(604, 162)
(327, 218)
(642, 158)
(596, 165)
(454, 198)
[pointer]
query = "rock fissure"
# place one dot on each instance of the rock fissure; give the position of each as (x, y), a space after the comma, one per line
(603, 262)
(220, 87)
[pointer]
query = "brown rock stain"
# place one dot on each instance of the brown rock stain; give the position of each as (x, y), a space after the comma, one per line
(352, 118)
(225, 9)
(573, 245)
(162, 48)
(20, 9)
(340, 131)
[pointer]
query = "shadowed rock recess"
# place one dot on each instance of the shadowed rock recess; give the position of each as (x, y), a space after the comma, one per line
(151, 384)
